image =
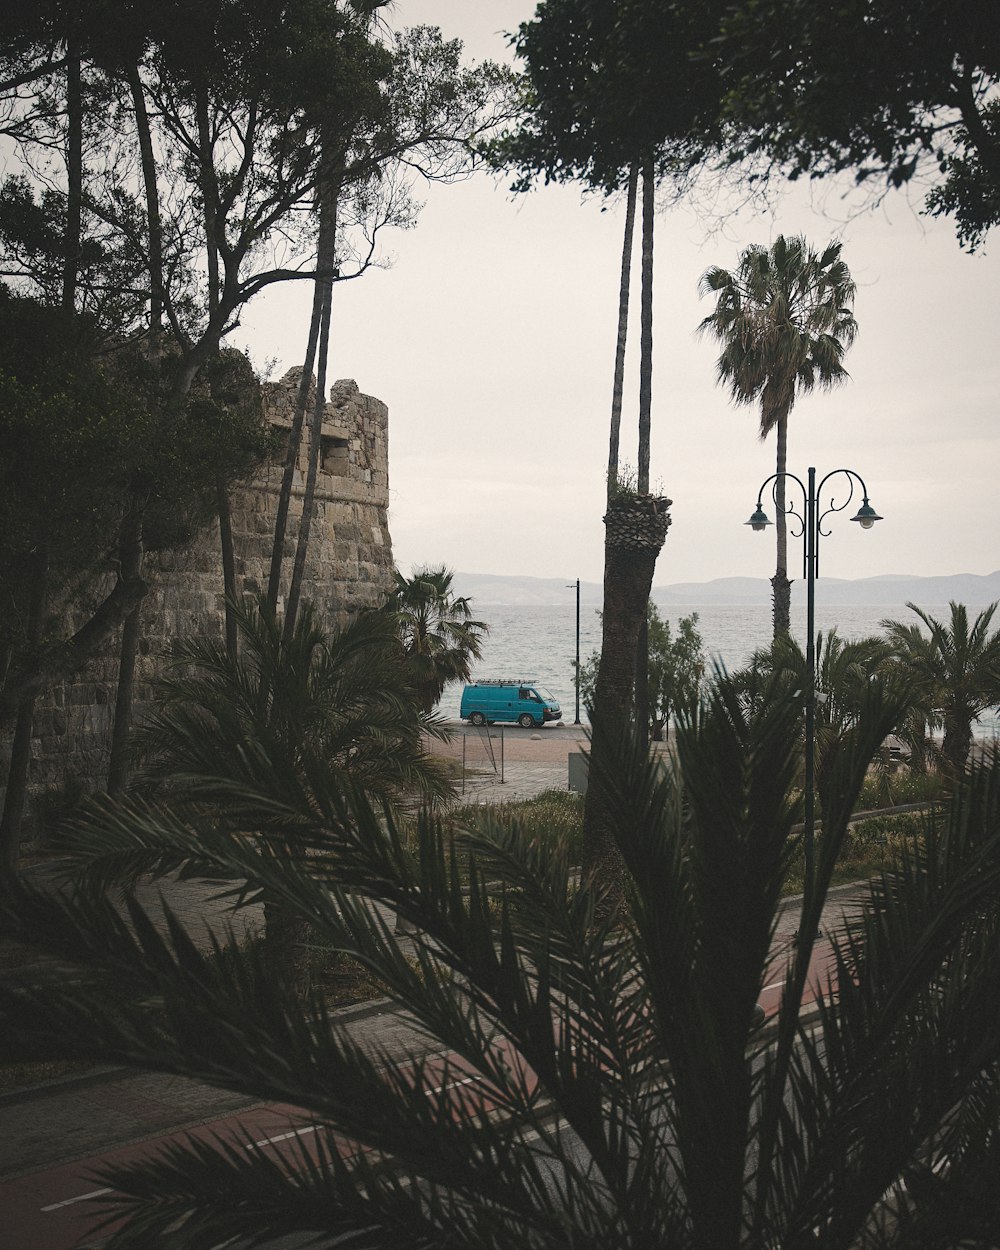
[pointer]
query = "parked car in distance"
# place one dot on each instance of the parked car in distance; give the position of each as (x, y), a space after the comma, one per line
(503, 699)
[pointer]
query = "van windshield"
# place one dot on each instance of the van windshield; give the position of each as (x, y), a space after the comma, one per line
(545, 694)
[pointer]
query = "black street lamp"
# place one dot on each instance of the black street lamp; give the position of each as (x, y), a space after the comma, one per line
(810, 528)
(569, 586)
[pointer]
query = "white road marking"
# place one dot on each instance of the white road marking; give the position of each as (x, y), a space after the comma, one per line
(68, 1202)
(469, 1080)
(270, 1141)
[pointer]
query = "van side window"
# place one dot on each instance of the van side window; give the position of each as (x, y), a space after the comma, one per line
(524, 693)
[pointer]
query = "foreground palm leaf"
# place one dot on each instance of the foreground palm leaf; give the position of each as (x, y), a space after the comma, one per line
(613, 1093)
(248, 740)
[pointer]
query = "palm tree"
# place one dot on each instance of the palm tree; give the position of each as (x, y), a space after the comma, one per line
(592, 1086)
(954, 670)
(439, 636)
(844, 669)
(230, 730)
(784, 320)
(636, 525)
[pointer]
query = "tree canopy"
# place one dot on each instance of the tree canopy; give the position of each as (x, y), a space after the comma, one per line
(886, 88)
(594, 98)
(83, 436)
(893, 90)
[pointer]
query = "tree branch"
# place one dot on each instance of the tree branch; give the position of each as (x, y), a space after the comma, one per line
(61, 660)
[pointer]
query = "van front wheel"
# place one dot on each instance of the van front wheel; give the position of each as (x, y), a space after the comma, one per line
(526, 720)
(477, 719)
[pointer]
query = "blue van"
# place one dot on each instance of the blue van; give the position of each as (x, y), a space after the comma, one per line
(502, 699)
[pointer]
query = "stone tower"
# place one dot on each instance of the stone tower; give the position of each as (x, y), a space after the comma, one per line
(349, 568)
(350, 551)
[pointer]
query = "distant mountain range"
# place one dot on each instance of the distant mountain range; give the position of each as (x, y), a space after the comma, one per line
(889, 590)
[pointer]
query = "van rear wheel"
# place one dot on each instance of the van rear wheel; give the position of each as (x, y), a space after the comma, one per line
(526, 720)
(477, 719)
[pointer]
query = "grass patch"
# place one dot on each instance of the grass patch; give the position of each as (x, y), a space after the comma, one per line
(341, 980)
(550, 817)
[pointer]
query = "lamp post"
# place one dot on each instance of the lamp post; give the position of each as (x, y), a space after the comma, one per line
(569, 586)
(810, 529)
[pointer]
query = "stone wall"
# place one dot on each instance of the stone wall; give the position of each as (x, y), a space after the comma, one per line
(349, 568)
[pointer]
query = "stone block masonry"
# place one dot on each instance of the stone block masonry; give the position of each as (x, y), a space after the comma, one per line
(349, 568)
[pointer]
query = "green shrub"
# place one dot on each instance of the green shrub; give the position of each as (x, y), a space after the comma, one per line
(882, 831)
(882, 789)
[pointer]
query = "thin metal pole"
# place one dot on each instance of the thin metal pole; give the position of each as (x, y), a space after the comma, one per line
(812, 559)
(577, 720)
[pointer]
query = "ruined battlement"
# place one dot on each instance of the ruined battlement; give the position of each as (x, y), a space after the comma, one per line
(349, 568)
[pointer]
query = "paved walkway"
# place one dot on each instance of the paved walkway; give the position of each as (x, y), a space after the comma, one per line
(519, 781)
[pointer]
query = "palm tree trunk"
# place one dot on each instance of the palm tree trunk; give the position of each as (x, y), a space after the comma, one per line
(645, 421)
(628, 577)
(645, 413)
(635, 531)
(781, 587)
(646, 330)
(957, 744)
(623, 301)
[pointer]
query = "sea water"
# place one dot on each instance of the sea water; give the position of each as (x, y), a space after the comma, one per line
(538, 643)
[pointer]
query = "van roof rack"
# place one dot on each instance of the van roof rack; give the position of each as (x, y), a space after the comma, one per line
(506, 681)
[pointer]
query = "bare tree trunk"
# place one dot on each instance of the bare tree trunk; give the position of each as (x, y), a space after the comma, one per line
(228, 566)
(20, 758)
(618, 388)
(154, 228)
(324, 279)
(780, 585)
(59, 663)
(74, 176)
(208, 196)
(324, 244)
(130, 543)
(131, 569)
(210, 221)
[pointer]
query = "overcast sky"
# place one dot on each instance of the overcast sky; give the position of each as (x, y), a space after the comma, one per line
(491, 338)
